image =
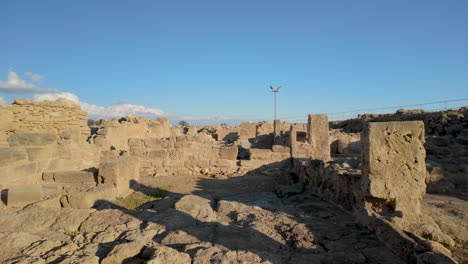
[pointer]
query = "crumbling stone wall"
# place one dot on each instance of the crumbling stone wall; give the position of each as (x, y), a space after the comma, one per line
(55, 117)
(384, 190)
(184, 155)
(31, 154)
(446, 143)
(114, 133)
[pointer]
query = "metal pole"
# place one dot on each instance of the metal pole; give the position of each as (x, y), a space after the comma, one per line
(275, 106)
(275, 91)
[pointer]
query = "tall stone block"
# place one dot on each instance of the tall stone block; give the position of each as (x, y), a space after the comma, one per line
(318, 136)
(119, 173)
(393, 165)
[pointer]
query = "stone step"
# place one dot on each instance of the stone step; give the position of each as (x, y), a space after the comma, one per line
(84, 177)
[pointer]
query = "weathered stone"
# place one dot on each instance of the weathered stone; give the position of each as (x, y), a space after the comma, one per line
(260, 154)
(229, 153)
(12, 155)
(31, 139)
(122, 252)
(86, 177)
(198, 207)
(318, 136)
(7, 118)
(393, 159)
(165, 255)
(21, 195)
(119, 173)
(281, 149)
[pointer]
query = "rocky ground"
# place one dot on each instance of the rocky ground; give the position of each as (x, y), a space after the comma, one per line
(450, 213)
(200, 220)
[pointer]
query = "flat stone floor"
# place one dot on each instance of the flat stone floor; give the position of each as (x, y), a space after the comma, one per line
(234, 220)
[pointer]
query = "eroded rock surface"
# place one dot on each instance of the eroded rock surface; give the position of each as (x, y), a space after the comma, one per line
(237, 228)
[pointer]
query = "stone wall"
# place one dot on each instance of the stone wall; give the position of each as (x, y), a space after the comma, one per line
(184, 155)
(53, 117)
(114, 133)
(31, 154)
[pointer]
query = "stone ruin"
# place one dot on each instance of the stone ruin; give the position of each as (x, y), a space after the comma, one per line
(52, 162)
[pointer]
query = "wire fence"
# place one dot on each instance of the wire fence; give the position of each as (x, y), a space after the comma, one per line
(428, 107)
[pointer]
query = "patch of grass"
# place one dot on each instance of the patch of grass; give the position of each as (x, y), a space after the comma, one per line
(135, 200)
(71, 234)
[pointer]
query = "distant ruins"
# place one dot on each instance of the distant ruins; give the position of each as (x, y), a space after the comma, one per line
(378, 168)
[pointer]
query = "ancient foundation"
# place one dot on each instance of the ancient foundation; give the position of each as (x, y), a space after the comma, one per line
(256, 198)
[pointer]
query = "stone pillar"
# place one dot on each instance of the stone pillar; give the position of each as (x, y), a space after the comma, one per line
(318, 136)
(276, 131)
(393, 165)
(293, 140)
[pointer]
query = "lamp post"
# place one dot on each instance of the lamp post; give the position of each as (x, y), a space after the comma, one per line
(275, 91)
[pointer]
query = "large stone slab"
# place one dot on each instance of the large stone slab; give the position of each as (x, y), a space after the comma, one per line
(318, 136)
(86, 177)
(31, 139)
(12, 155)
(21, 195)
(229, 153)
(393, 164)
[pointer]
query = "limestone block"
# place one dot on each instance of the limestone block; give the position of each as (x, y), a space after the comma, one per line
(7, 119)
(151, 143)
(138, 151)
(260, 154)
(119, 172)
(197, 163)
(49, 152)
(223, 163)
(24, 194)
(279, 156)
(177, 163)
(72, 135)
(31, 139)
(229, 153)
(85, 177)
(84, 200)
(179, 145)
(20, 173)
(135, 142)
(282, 149)
(12, 155)
(318, 136)
(158, 154)
(393, 163)
(48, 176)
(253, 164)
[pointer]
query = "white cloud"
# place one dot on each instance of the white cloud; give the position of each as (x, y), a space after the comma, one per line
(2, 101)
(34, 76)
(15, 85)
(97, 111)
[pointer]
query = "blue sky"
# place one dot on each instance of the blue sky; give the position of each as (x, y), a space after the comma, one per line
(209, 60)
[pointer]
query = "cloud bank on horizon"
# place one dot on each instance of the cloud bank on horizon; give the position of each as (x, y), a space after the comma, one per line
(15, 85)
